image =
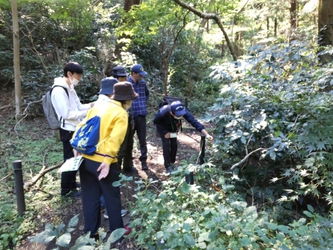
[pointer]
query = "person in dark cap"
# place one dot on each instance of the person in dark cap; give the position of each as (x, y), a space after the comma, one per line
(120, 73)
(125, 157)
(139, 110)
(168, 124)
(99, 171)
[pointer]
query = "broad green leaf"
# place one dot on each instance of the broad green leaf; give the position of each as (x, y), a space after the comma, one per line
(64, 240)
(189, 239)
(74, 221)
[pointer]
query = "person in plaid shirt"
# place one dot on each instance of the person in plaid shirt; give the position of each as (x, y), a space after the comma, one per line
(139, 109)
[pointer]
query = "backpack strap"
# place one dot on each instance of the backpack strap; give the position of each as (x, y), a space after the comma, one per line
(63, 120)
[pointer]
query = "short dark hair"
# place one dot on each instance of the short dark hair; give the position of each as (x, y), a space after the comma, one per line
(73, 67)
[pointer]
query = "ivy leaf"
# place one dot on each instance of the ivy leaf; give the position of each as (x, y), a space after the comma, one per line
(74, 221)
(245, 241)
(116, 235)
(201, 245)
(310, 208)
(159, 235)
(204, 237)
(189, 239)
(251, 211)
(64, 240)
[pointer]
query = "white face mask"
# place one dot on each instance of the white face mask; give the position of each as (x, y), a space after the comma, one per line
(74, 81)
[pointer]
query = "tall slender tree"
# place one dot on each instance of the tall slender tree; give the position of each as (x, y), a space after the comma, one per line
(325, 22)
(325, 26)
(16, 46)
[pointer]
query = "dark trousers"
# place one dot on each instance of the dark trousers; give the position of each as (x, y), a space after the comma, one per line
(68, 179)
(92, 189)
(125, 157)
(169, 150)
(140, 129)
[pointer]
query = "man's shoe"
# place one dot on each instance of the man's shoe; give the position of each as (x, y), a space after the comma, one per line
(128, 230)
(144, 166)
(73, 193)
(131, 170)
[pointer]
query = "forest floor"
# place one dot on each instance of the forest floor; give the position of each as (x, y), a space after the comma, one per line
(188, 149)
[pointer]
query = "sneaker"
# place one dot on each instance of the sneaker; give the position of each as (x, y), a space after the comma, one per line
(123, 213)
(128, 230)
(144, 166)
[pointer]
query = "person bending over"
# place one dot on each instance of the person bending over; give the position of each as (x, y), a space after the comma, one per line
(168, 124)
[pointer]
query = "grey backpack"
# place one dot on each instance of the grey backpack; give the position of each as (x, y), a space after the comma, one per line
(49, 111)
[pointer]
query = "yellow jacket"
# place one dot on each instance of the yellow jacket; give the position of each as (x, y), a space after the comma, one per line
(113, 126)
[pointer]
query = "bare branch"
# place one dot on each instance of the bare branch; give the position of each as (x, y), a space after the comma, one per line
(25, 113)
(247, 156)
(209, 16)
(41, 173)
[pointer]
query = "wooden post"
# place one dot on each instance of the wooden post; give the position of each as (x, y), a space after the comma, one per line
(202, 149)
(19, 191)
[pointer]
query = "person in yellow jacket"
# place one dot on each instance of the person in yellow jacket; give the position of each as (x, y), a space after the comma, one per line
(99, 171)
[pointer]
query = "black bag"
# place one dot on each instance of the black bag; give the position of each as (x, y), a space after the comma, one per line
(168, 100)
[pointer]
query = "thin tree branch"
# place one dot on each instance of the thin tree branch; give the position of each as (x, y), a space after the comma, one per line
(41, 173)
(209, 16)
(25, 113)
(247, 156)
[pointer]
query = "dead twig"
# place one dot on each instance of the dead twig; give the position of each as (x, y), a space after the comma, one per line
(7, 106)
(6, 177)
(41, 173)
(247, 156)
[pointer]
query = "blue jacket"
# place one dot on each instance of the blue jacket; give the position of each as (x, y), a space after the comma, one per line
(165, 122)
(139, 105)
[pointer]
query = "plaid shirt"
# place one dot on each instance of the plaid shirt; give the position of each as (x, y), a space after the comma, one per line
(139, 105)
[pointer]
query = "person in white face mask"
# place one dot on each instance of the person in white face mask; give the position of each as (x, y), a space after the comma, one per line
(168, 125)
(70, 111)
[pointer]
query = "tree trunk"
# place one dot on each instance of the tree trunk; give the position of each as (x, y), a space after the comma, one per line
(325, 26)
(129, 3)
(16, 47)
(293, 14)
(267, 27)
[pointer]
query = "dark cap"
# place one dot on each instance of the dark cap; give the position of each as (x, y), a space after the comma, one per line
(177, 108)
(119, 71)
(107, 85)
(123, 91)
(137, 68)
